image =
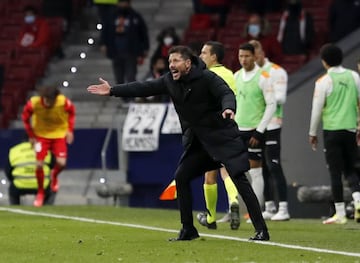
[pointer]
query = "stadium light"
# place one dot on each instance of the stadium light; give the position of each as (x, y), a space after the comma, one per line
(90, 41)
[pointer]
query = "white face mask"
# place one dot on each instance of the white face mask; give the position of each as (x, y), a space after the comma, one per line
(254, 30)
(168, 41)
(29, 19)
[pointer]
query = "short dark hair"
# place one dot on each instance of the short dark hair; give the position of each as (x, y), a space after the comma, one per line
(216, 48)
(50, 92)
(184, 51)
(331, 54)
(247, 46)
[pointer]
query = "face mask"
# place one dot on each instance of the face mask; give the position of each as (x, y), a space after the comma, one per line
(168, 41)
(254, 30)
(29, 19)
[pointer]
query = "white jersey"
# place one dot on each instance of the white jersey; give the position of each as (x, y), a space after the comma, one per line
(279, 82)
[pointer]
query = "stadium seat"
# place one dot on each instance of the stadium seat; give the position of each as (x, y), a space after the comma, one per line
(200, 21)
(200, 35)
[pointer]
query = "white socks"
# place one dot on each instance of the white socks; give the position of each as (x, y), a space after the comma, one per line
(356, 196)
(270, 206)
(340, 209)
(257, 183)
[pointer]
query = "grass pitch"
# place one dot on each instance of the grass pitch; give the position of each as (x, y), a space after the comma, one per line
(120, 234)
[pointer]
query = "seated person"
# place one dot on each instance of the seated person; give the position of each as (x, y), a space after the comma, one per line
(258, 28)
(35, 31)
(166, 39)
(20, 171)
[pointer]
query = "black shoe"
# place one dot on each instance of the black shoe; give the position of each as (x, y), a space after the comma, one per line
(234, 216)
(186, 235)
(262, 235)
(202, 218)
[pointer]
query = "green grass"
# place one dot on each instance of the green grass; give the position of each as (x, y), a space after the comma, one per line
(35, 238)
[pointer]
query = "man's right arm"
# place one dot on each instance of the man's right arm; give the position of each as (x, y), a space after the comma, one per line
(25, 116)
(140, 89)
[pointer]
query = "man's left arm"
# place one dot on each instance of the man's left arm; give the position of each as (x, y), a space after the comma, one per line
(70, 109)
(220, 89)
(270, 101)
(279, 79)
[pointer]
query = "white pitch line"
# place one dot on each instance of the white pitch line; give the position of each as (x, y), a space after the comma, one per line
(90, 220)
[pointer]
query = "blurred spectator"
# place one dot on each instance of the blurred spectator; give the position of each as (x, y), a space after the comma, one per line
(105, 10)
(220, 7)
(159, 66)
(166, 39)
(296, 30)
(20, 171)
(344, 18)
(196, 6)
(263, 6)
(258, 28)
(63, 8)
(125, 41)
(35, 31)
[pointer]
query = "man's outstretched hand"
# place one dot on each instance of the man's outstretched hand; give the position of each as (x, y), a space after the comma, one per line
(100, 89)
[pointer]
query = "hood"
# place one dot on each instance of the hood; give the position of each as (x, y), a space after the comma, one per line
(196, 70)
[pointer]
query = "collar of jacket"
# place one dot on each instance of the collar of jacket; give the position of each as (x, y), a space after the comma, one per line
(197, 68)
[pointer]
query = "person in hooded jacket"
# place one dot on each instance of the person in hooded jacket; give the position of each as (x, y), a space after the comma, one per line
(206, 107)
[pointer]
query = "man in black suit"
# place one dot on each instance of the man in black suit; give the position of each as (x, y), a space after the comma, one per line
(211, 138)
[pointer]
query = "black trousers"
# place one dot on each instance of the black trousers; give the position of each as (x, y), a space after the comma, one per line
(194, 164)
(274, 180)
(341, 157)
(125, 68)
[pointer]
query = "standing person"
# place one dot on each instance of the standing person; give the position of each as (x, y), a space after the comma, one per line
(336, 101)
(203, 101)
(20, 171)
(256, 105)
(212, 54)
(272, 170)
(296, 30)
(51, 128)
(125, 41)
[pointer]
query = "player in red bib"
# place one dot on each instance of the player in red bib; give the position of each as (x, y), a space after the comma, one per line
(49, 120)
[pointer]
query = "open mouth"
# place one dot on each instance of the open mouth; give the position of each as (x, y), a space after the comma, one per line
(175, 73)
